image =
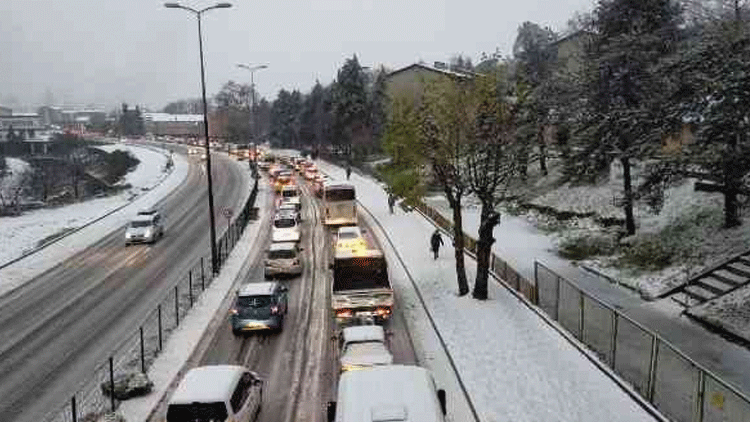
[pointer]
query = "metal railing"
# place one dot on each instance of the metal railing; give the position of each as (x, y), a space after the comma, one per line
(137, 352)
(678, 386)
(681, 388)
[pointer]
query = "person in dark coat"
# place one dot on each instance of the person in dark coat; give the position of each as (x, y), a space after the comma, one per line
(348, 172)
(391, 201)
(435, 242)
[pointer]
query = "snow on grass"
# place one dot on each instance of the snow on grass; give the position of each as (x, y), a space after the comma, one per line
(515, 367)
(21, 234)
(151, 170)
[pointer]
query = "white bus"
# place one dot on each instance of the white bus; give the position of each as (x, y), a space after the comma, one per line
(339, 204)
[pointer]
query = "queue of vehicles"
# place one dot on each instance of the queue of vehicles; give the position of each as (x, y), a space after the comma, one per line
(371, 387)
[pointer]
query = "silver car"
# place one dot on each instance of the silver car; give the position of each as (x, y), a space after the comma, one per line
(283, 258)
(146, 227)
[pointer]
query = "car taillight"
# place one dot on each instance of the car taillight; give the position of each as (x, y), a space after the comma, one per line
(344, 313)
(233, 311)
(274, 310)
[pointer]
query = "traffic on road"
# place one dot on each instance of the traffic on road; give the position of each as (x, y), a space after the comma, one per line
(318, 310)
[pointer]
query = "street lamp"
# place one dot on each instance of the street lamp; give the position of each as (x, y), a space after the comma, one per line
(198, 13)
(252, 70)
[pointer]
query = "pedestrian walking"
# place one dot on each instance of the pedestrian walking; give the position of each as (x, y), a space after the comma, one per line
(391, 201)
(348, 172)
(435, 242)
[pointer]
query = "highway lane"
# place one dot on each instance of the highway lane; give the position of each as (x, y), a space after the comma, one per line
(57, 328)
(300, 364)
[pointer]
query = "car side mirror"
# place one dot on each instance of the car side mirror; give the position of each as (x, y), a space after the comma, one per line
(331, 410)
(441, 399)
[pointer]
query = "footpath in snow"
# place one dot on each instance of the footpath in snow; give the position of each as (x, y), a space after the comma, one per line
(515, 367)
(149, 184)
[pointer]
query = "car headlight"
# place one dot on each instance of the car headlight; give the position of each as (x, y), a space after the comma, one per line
(349, 367)
(128, 235)
(148, 233)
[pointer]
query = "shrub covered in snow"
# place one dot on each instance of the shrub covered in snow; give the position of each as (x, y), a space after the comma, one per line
(582, 246)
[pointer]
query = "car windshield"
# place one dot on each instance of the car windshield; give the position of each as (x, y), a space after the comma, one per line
(282, 254)
(284, 223)
(140, 223)
(254, 301)
(197, 412)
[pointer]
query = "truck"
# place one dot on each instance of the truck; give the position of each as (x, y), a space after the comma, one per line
(361, 291)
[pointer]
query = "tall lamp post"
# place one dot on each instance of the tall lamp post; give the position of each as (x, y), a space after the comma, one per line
(198, 14)
(252, 70)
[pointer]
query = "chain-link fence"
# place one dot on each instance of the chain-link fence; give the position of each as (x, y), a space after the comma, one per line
(137, 352)
(681, 388)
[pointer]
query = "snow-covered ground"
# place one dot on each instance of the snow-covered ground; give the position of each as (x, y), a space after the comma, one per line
(149, 173)
(515, 367)
(149, 184)
(14, 171)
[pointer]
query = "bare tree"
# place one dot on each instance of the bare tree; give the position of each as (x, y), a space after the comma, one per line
(491, 164)
(432, 132)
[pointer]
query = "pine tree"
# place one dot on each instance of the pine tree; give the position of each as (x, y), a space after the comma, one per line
(621, 116)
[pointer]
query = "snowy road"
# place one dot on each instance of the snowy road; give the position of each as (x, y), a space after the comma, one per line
(22, 234)
(59, 326)
(299, 365)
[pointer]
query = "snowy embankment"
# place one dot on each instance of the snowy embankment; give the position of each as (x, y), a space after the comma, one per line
(515, 366)
(14, 173)
(150, 182)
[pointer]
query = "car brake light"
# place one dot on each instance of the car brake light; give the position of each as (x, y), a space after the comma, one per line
(383, 311)
(344, 313)
(233, 311)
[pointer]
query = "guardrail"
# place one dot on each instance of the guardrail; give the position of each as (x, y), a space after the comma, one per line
(678, 386)
(138, 351)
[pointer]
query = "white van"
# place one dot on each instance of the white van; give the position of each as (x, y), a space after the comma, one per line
(217, 393)
(388, 393)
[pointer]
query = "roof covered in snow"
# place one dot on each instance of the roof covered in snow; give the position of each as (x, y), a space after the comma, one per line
(166, 117)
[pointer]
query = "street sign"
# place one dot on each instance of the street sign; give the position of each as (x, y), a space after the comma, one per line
(227, 212)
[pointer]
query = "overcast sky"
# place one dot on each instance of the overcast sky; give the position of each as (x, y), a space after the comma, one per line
(109, 51)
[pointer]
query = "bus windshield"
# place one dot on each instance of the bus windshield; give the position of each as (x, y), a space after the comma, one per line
(340, 194)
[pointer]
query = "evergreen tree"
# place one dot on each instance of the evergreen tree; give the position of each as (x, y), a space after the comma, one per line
(712, 88)
(350, 104)
(621, 119)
